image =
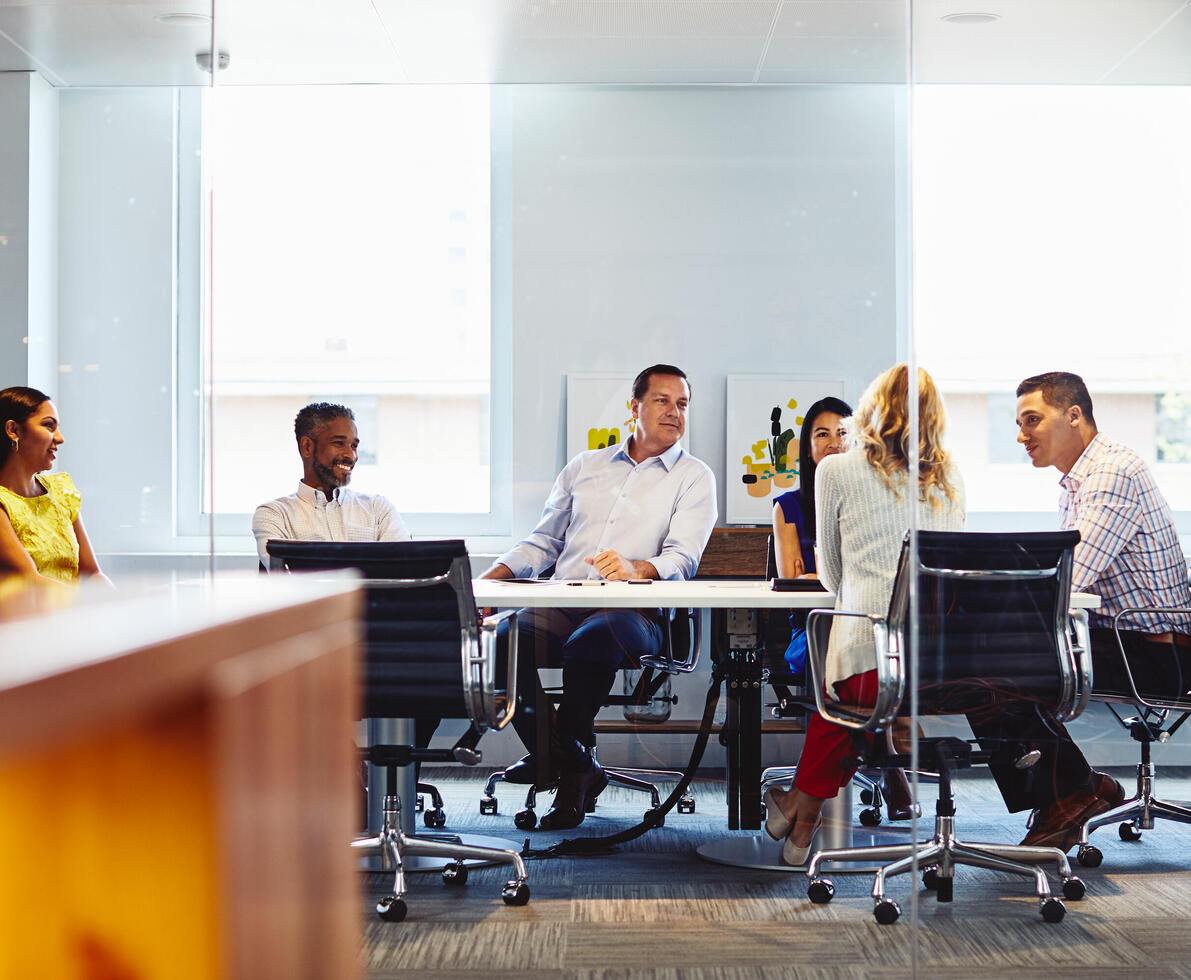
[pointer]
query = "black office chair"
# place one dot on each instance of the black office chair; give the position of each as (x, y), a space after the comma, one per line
(795, 700)
(680, 652)
(1158, 717)
(993, 626)
(435, 815)
(427, 655)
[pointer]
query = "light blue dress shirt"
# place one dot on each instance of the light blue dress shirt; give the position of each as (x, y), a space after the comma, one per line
(660, 511)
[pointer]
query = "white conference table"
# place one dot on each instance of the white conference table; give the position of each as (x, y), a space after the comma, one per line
(696, 594)
(756, 851)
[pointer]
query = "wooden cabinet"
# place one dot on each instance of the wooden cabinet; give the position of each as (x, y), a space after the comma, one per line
(177, 783)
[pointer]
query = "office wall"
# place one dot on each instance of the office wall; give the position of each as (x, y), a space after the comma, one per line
(28, 230)
(726, 230)
(116, 311)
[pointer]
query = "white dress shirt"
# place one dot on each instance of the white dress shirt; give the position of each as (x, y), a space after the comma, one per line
(660, 510)
(309, 516)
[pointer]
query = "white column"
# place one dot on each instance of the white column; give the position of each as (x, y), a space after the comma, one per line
(28, 230)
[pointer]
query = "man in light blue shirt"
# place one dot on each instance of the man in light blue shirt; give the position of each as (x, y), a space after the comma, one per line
(643, 509)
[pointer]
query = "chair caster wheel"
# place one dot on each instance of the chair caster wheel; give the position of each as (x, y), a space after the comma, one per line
(870, 817)
(820, 891)
(686, 804)
(391, 909)
(515, 893)
(1128, 832)
(434, 818)
(1089, 856)
(455, 874)
(1053, 910)
(525, 820)
(930, 879)
(945, 890)
(420, 805)
(488, 805)
(1073, 889)
(589, 806)
(886, 911)
(866, 797)
(656, 817)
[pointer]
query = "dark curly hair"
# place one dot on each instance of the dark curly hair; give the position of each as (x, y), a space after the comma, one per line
(317, 414)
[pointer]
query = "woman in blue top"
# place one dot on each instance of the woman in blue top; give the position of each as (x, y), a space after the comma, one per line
(794, 512)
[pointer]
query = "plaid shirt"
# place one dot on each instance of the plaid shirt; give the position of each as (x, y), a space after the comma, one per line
(1128, 553)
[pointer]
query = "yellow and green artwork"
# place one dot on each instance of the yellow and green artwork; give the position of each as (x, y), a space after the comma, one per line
(763, 425)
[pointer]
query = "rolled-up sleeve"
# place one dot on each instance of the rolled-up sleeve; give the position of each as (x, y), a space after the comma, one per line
(695, 514)
(543, 546)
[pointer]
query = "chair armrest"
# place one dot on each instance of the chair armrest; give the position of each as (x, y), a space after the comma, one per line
(890, 674)
(666, 662)
(1080, 651)
(1157, 704)
(497, 719)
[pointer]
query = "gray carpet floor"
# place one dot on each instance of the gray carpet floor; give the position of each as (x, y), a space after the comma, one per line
(653, 909)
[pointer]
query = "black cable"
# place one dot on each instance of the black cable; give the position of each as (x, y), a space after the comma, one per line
(599, 845)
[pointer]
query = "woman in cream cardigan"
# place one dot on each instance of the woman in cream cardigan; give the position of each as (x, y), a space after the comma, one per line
(863, 504)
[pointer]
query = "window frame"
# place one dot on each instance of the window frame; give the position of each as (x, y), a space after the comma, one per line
(193, 424)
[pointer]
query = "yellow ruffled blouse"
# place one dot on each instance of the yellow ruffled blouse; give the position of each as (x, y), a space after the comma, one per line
(45, 525)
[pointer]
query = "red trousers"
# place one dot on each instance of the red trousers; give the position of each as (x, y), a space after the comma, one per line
(821, 769)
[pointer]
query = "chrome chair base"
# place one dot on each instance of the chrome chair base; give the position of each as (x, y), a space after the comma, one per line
(1136, 814)
(938, 857)
(526, 817)
(393, 844)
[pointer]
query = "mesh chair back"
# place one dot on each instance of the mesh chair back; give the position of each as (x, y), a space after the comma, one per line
(419, 622)
(992, 621)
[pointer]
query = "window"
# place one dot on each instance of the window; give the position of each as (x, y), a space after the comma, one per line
(350, 261)
(1053, 232)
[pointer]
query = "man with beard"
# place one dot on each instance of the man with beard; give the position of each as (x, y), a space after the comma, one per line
(324, 509)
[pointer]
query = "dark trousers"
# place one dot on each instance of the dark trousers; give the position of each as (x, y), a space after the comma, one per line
(1009, 731)
(1159, 668)
(590, 645)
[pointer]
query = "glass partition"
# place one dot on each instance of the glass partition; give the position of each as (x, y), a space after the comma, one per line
(1050, 234)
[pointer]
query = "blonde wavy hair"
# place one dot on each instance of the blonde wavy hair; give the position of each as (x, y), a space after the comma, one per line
(881, 427)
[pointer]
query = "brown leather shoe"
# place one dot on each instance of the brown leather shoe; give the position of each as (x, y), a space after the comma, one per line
(575, 790)
(1058, 825)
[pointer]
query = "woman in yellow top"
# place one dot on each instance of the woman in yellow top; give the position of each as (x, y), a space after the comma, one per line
(41, 533)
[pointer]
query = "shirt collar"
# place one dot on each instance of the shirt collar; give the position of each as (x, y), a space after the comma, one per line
(1074, 476)
(668, 458)
(315, 496)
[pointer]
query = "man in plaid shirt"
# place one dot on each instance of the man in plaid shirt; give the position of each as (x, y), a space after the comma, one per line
(1129, 555)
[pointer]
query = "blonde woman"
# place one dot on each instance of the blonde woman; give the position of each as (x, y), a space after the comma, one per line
(864, 499)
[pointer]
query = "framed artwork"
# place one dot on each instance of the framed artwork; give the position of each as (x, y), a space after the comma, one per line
(599, 412)
(763, 423)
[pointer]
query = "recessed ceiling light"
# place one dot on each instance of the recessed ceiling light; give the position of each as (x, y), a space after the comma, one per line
(184, 20)
(972, 18)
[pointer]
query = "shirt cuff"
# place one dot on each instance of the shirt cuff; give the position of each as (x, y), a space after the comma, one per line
(667, 568)
(515, 564)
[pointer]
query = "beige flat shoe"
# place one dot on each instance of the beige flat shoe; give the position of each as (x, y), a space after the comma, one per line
(777, 825)
(794, 855)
